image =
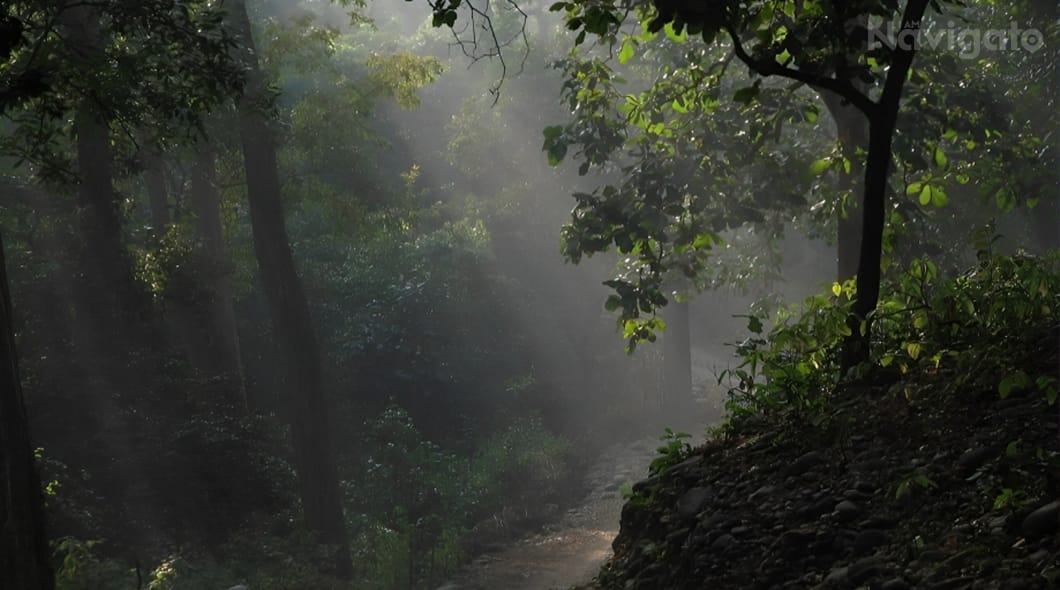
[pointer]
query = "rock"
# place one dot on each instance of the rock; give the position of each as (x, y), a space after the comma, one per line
(847, 511)
(879, 521)
(869, 466)
(796, 540)
(716, 521)
(723, 542)
(863, 570)
(684, 466)
(677, 537)
(836, 578)
(242, 587)
(804, 464)
(895, 584)
(760, 494)
(868, 540)
(823, 506)
(692, 502)
(973, 458)
(957, 583)
(864, 487)
(1043, 521)
(740, 531)
(932, 556)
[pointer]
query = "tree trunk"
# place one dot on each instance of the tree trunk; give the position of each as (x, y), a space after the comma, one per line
(110, 291)
(852, 133)
(24, 554)
(882, 122)
(157, 195)
(677, 360)
(223, 334)
(292, 324)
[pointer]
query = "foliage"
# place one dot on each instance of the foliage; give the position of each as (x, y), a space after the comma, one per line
(979, 331)
(791, 369)
(674, 450)
(416, 502)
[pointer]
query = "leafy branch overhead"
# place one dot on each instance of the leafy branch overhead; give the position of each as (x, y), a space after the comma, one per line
(669, 131)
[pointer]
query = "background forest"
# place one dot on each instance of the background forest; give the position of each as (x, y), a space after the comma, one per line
(290, 288)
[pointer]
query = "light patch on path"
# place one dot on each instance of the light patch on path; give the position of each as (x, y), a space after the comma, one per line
(572, 553)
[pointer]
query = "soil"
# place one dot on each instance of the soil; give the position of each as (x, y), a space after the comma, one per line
(570, 551)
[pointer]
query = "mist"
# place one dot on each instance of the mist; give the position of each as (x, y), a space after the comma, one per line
(468, 295)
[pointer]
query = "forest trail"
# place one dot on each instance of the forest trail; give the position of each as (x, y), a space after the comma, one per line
(570, 551)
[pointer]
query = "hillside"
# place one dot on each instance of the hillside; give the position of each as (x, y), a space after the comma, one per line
(902, 483)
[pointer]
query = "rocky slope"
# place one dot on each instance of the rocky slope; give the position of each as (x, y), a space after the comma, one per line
(896, 485)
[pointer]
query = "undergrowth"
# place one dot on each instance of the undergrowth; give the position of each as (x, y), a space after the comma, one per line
(981, 331)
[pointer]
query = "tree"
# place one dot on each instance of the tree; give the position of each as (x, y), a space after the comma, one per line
(24, 554)
(292, 322)
(803, 41)
(223, 336)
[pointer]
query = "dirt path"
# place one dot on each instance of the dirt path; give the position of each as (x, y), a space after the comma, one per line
(573, 549)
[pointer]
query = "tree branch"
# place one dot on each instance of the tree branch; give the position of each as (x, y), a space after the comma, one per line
(842, 88)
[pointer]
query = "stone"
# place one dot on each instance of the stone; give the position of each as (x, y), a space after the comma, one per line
(972, 459)
(836, 578)
(760, 494)
(823, 506)
(692, 502)
(879, 521)
(1043, 521)
(740, 531)
(863, 570)
(723, 542)
(804, 464)
(847, 511)
(796, 539)
(958, 583)
(869, 540)
(895, 584)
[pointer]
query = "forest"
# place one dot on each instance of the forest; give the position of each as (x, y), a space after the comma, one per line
(525, 294)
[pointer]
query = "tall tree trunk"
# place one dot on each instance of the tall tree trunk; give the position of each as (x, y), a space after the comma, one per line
(292, 324)
(223, 334)
(852, 133)
(677, 360)
(110, 290)
(883, 120)
(157, 195)
(24, 555)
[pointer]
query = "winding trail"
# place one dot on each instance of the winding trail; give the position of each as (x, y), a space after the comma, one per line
(572, 550)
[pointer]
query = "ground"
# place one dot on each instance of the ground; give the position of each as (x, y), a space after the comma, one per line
(571, 551)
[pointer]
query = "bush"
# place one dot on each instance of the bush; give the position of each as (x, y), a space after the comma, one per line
(984, 330)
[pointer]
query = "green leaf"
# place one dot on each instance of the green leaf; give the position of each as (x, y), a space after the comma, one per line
(746, 95)
(673, 35)
(939, 198)
(819, 166)
(925, 195)
(626, 53)
(940, 158)
(556, 153)
(1011, 382)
